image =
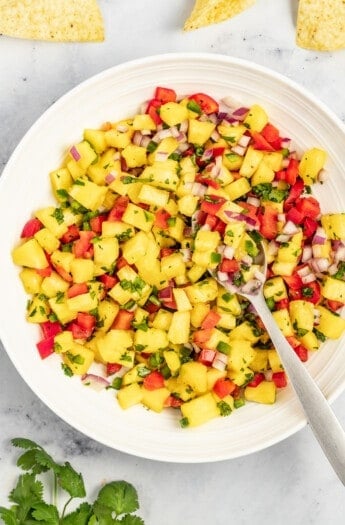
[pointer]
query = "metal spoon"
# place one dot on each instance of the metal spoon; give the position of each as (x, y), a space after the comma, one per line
(320, 416)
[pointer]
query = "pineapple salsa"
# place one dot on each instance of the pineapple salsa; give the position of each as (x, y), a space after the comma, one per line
(118, 270)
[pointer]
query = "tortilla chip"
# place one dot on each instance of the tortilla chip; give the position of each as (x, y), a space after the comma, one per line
(54, 20)
(207, 12)
(321, 24)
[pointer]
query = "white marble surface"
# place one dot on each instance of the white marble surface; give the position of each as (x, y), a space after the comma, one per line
(288, 483)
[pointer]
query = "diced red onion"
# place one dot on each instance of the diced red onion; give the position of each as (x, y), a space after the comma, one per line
(146, 132)
(206, 228)
(187, 231)
(110, 177)
(283, 238)
(320, 236)
(254, 201)
(162, 134)
(207, 155)
(220, 361)
(161, 156)
(332, 269)
(285, 163)
(282, 217)
(240, 113)
(290, 228)
(221, 248)
(196, 348)
(198, 189)
(184, 126)
(213, 118)
(272, 247)
(222, 276)
(244, 141)
(181, 137)
(320, 264)
(229, 252)
(215, 136)
(317, 250)
(75, 153)
(322, 176)
(182, 147)
(305, 270)
(251, 286)
(247, 260)
(240, 217)
(307, 253)
(268, 375)
(145, 141)
(186, 254)
(122, 128)
(95, 382)
(136, 139)
(239, 150)
(308, 278)
(174, 131)
(340, 254)
(166, 293)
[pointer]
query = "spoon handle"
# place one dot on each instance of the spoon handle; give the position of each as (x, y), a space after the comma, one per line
(321, 418)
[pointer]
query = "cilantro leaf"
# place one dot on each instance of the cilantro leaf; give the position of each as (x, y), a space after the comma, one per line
(24, 443)
(26, 493)
(27, 461)
(120, 496)
(8, 516)
(129, 519)
(47, 513)
(45, 460)
(80, 516)
(71, 481)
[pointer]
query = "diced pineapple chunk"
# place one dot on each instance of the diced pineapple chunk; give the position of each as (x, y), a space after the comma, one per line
(265, 393)
(200, 410)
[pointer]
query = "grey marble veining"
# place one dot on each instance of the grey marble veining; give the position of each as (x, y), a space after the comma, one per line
(289, 483)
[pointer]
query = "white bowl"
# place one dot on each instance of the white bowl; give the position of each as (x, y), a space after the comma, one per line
(113, 94)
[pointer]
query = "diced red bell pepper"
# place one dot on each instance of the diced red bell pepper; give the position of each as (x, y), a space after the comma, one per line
(206, 356)
(257, 379)
(77, 289)
(71, 235)
(295, 192)
(292, 171)
(211, 221)
(86, 321)
(280, 175)
(311, 292)
(168, 304)
(173, 402)
(123, 320)
(112, 368)
(165, 252)
(223, 387)
(270, 133)
(161, 219)
(118, 209)
(82, 247)
(202, 336)
(31, 227)
(279, 379)
(153, 380)
(268, 218)
(208, 104)
(334, 305)
(220, 227)
(50, 329)
(46, 347)
(309, 207)
(121, 263)
(260, 143)
(165, 95)
(212, 204)
(218, 151)
(293, 281)
(78, 332)
(294, 216)
(229, 265)
(282, 304)
(44, 272)
(151, 110)
(96, 223)
(293, 341)
(211, 320)
(108, 281)
(309, 227)
(151, 308)
(207, 181)
(63, 273)
(302, 353)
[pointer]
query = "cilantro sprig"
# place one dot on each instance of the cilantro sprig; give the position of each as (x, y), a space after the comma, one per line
(115, 503)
